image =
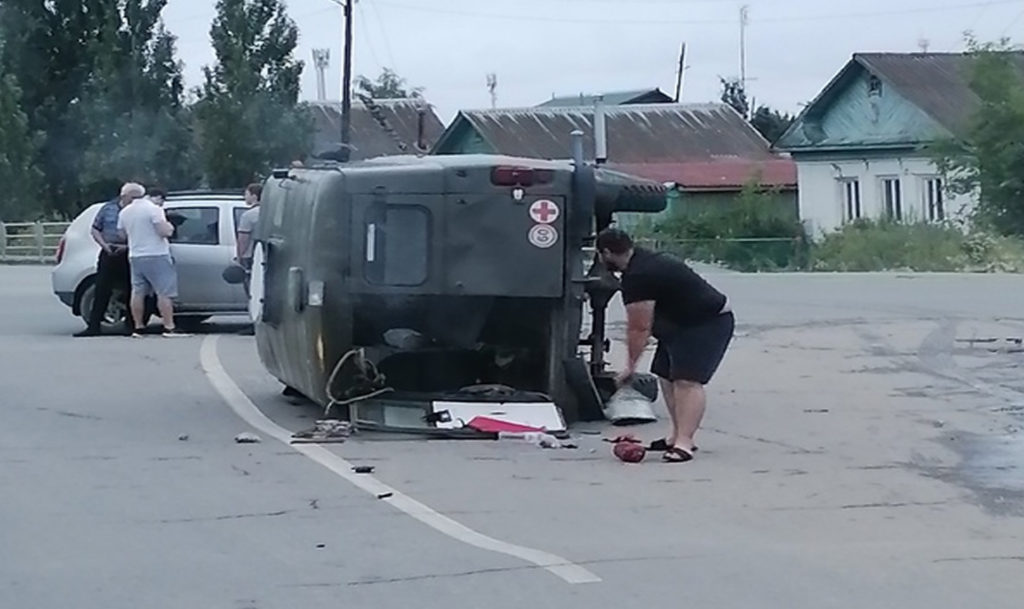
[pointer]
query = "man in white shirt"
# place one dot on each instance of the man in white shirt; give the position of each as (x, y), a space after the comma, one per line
(149, 252)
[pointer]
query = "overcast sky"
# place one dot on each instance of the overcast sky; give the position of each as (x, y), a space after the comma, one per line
(540, 47)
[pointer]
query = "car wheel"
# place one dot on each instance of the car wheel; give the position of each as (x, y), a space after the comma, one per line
(117, 309)
(117, 317)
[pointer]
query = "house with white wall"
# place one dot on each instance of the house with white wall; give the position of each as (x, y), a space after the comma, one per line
(862, 146)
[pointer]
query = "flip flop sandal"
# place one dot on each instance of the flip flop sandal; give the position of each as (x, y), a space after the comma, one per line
(661, 444)
(677, 455)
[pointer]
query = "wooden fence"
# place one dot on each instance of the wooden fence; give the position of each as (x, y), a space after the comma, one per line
(33, 242)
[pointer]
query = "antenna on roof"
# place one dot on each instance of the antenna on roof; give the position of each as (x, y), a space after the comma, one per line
(492, 86)
(321, 61)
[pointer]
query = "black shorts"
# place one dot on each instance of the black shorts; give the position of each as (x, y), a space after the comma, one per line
(694, 353)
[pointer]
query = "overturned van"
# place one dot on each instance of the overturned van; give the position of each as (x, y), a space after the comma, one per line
(385, 287)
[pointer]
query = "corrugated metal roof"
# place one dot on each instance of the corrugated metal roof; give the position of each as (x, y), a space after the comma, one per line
(636, 133)
(612, 98)
(368, 136)
(729, 174)
(938, 83)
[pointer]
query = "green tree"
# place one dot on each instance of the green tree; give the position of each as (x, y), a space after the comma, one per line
(90, 72)
(771, 123)
(18, 173)
(248, 118)
(133, 108)
(388, 85)
(987, 157)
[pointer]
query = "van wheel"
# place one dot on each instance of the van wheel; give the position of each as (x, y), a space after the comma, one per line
(117, 317)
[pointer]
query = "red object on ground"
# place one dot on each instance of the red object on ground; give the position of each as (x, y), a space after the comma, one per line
(487, 424)
(630, 452)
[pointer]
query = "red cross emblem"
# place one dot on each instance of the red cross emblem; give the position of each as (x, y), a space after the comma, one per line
(544, 211)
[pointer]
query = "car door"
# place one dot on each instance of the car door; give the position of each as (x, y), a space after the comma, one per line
(200, 257)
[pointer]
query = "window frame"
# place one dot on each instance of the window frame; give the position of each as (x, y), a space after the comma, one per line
(175, 240)
(375, 244)
(846, 185)
(892, 198)
(934, 186)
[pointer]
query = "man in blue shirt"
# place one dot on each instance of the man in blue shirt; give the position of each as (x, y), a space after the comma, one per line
(112, 268)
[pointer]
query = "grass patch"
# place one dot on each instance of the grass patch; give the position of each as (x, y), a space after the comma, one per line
(868, 245)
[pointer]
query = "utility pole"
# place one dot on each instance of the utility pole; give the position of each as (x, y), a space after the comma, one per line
(346, 79)
(744, 20)
(682, 68)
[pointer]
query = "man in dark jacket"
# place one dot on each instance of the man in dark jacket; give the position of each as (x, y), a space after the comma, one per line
(691, 320)
(112, 268)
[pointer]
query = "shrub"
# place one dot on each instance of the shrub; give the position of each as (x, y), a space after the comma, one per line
(870, 245)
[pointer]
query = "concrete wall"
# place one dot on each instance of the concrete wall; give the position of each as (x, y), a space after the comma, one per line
(822, 189)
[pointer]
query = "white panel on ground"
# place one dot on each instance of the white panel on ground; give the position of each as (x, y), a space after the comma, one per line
(544, 415)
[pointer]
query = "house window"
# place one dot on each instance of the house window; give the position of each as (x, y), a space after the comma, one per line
(934, 201)
(850, 192)
(892, 199)
(874, 86)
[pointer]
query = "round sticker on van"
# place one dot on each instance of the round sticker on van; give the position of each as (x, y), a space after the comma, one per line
(543, 236)
(544, 211)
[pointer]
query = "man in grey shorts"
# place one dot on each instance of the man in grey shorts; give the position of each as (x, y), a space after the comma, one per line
(149, 252)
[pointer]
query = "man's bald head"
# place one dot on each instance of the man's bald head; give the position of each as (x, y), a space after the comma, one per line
(131, 191)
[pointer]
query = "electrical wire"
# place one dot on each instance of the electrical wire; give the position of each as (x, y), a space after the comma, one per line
(718, 21)
(333, 400)
(384, 36)
(366, 36)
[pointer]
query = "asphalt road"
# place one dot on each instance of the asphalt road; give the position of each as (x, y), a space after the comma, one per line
(862, 449)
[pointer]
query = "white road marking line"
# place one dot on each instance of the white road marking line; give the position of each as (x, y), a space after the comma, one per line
(247, 411)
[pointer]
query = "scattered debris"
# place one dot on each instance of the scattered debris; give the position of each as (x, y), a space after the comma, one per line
(939, 424)
(537, 438)
(324, 431)
(591, 432)
(247, 438)
(315, 504)
(183, 437)
(816, 410)
(363, 469)
(384, 495)
(629, 451)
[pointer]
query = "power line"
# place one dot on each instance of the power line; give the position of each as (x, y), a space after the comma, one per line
(719, 21)
(366, 36)
(384, 36)
(1012, 23)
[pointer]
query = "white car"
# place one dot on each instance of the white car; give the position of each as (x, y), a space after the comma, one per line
(202, 247)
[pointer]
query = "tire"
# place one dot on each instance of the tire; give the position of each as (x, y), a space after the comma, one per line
(118, 317)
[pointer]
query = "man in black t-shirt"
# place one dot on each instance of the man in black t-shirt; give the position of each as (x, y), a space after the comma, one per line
(691, 320)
